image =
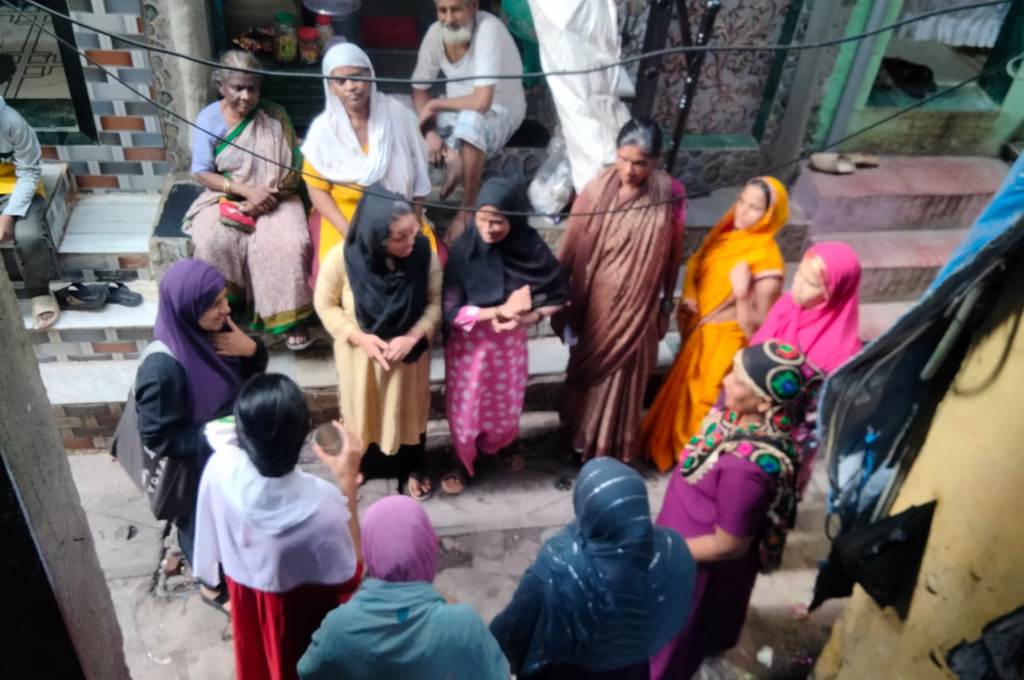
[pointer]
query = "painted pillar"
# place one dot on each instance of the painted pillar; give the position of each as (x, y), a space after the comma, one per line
(58, 619)
(182, 85)
(971, 463)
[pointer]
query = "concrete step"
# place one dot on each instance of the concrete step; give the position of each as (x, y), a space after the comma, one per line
(111, 333)
(898, 264)
(86, 396)
(927, 192)
(108, 237)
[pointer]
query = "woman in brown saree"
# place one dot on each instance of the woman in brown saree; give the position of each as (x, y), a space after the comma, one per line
(622, 267)
(250, 223)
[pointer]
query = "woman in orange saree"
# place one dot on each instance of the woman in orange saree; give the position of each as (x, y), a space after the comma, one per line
(731, 282)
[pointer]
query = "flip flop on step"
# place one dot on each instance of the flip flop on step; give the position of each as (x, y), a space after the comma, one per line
(864, 160)
(80, 297)
(833, 163)
(41, 306)
(118, 293)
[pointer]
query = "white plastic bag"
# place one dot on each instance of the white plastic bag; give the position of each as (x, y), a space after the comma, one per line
(580, 34)
(551, 187)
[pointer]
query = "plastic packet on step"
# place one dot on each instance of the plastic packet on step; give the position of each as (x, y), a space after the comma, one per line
(552, 187)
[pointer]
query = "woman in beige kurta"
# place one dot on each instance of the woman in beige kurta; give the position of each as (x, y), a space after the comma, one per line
(379, 296)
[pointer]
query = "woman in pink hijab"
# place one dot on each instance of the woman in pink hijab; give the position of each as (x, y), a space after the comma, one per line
(820, 316)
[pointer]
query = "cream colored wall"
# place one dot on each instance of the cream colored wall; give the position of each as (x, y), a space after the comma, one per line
(973, 567)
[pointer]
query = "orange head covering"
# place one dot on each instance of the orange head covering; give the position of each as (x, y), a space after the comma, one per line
(707, 271)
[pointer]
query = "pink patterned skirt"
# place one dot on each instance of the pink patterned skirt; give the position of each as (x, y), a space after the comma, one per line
(485, 380)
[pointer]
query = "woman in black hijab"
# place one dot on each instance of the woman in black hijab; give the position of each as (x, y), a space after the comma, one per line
(379, 296)
(501, 279)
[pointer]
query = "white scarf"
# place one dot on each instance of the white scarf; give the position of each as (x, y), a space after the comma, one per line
(271, 504)
(395, 145)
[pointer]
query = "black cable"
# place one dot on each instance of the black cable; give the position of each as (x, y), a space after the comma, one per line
(563, 215)
(515, 76)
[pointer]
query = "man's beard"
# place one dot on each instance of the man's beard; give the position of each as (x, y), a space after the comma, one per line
(456, 36)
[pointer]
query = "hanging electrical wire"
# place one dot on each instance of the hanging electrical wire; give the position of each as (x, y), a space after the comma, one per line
(994, 68)
(138, 44)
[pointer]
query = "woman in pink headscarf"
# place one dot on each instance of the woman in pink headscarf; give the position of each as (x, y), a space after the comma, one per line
(397, 626)
(819, 315)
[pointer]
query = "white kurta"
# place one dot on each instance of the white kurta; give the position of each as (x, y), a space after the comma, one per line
(270, 534)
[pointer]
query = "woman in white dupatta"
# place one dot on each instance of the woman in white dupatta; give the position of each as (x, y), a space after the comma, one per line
(363, 137)
(287, 541)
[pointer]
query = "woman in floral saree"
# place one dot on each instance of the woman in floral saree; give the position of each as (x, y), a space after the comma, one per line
(250, 223)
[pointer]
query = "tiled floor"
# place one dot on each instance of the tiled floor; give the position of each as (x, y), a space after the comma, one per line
(111, 223)
(39, 73)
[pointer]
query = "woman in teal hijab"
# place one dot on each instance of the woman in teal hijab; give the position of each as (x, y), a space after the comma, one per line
(397, 626)
(605, 593)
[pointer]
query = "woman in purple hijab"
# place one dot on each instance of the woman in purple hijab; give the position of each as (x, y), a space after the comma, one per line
(397, 626)
(192, 371)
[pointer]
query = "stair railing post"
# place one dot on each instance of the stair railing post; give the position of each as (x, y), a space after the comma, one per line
(707, 24)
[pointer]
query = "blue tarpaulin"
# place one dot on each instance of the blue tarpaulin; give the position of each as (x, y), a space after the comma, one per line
(874, 407)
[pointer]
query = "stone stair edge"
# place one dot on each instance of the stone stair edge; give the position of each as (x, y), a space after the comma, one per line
(316, 372)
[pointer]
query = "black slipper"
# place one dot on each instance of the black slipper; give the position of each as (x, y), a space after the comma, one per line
(420, 478)
(118, 293)
(217, 602)
(79, 296)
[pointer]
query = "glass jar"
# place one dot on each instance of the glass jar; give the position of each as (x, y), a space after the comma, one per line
(286, 43)
(309, 46)
(324, 31)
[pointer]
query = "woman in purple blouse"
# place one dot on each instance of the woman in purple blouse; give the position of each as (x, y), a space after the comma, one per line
(732, 498)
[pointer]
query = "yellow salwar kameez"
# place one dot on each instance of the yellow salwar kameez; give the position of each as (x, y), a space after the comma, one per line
(388, 408)
(346, 197)
(692, 386)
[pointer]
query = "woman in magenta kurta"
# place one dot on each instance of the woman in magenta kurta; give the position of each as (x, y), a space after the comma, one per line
(732, 498)
(820, 316)
(500, 280)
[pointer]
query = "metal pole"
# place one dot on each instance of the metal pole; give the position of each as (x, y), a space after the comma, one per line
(707, 23)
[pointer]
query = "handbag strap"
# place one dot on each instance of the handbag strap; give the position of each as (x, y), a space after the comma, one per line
(156, 347)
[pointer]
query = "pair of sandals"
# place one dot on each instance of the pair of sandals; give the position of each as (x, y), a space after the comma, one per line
(88, 297)
(843, 163)
(454, 481)
(79, 296)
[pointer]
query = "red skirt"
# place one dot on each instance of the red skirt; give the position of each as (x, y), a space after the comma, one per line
(273, 630)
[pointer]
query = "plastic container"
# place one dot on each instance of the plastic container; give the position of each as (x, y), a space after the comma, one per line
(324, 31)
(286, 42)
(344, 15)
(309, 46)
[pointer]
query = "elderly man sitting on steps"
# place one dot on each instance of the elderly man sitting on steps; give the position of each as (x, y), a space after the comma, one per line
(476, 117)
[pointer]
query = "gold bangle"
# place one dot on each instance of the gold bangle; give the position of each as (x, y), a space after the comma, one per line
(227, 186)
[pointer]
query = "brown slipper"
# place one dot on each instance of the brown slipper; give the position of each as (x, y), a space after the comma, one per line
(454, 481)
(511, 462)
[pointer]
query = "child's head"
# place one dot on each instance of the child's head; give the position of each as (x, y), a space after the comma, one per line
(272, 421)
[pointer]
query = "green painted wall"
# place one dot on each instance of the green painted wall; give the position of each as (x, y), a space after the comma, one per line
(921, 131)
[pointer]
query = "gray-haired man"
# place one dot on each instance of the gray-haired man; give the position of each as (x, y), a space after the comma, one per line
(477, 116)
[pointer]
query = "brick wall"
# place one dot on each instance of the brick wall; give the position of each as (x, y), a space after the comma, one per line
(87, 426)
(130, 152)
(89, 344)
